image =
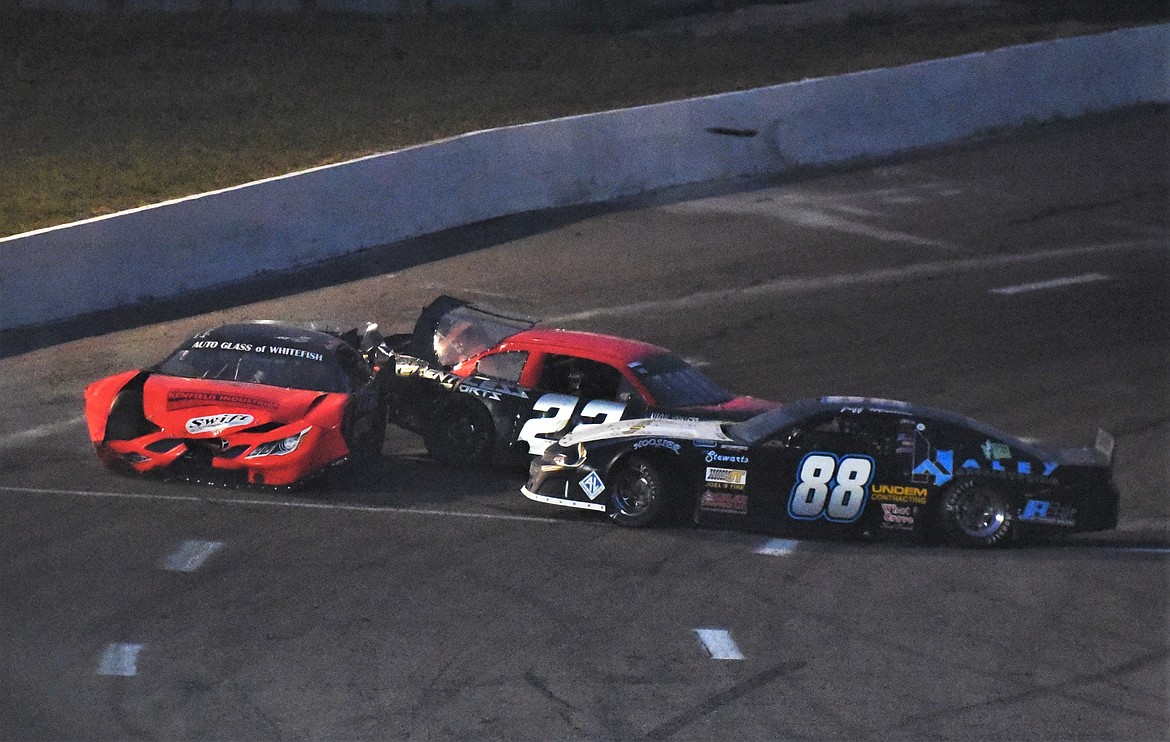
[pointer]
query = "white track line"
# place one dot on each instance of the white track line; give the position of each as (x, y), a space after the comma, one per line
(120, 660)
(32, 435)
(276, 502)
(778, 547)
(807, 284)
(720, 644)
(1055, 283)
(191, 555)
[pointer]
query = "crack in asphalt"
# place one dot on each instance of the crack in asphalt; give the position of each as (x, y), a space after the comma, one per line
(1088, 205)
(1129, 666)
(671, 726)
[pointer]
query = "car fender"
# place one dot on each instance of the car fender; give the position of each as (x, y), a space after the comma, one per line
(99, 400)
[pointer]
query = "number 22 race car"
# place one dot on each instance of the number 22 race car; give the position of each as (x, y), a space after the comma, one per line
(257, 403)
(482, 386)
(833, 465)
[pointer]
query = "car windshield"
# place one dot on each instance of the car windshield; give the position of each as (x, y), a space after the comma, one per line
(767, 424)
(466, 331)
(675, 383)
(291, 368)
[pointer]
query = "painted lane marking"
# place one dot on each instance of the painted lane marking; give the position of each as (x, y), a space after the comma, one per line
(279, 503)
(1143, 549)
(1054, 283)
(191, 555)
(120, 660)
(778, 547)
(32, 435)
(810, 284)
(719, 644)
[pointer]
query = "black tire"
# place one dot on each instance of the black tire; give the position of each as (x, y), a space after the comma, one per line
(638, 493)
(976, 514)
(369, 448)
(461, 433)
(126, 421)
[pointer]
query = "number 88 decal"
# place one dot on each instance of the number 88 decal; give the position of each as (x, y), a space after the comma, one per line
(834, 488)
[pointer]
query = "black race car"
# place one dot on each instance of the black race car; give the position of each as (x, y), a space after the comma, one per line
(833, 465)
(479, 384)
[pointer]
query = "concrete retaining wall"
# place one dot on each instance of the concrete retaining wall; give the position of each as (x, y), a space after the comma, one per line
(221, 237)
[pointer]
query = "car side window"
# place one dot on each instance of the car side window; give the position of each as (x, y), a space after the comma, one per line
(580, 377)
(506, 366)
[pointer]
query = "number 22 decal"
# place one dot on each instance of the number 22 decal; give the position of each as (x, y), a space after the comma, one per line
(835, 489)
(540, 431)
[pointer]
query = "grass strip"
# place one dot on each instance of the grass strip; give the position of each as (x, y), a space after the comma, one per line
(104, 113)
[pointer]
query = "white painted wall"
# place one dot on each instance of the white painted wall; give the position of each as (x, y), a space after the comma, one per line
(221, 237)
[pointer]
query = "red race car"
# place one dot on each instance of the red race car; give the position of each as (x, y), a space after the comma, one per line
(479, 384)
(257, 403)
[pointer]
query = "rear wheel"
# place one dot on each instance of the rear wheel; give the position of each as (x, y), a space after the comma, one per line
(976, 514)
(639, 494)
(461, 433)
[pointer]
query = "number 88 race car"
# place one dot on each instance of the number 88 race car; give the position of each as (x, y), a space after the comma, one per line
(833, 465)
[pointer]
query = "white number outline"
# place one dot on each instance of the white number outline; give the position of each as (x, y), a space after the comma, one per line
(834, 499)
(541, 432)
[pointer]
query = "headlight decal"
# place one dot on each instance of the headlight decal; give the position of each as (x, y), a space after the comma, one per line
(281, 447)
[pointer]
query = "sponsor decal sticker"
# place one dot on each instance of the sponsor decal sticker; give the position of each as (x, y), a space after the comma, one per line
(724, 502)
(898, 493)
(657, 443)
(181, 399)
(1049, 513)
(279, 350)
(716, 456)
(734, 477)
(940, 468)
(216, 424)
(592, 485)
(898, 517)
(993, 451)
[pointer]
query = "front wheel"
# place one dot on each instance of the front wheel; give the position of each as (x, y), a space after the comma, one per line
(976, 514)
(461, 433)
(638, 493)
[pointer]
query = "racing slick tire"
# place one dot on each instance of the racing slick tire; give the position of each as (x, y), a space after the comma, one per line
(639, 493)
(461, 433)
(370, 447)
(126, 420)
(976, 514)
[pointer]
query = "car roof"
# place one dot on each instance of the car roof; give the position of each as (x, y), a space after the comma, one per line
(621, 350)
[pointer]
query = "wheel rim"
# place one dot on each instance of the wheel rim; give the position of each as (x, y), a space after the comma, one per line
(980, 514)
(464, 434)
(634, 492)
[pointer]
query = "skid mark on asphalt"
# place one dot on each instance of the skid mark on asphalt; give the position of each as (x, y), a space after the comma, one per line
(811, 284)
(671, 727)
(278, 503)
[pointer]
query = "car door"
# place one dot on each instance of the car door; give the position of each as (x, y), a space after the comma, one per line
(815, 474)
(572, 391)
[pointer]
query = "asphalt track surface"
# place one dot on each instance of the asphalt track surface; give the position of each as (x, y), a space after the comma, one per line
(415, 601)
